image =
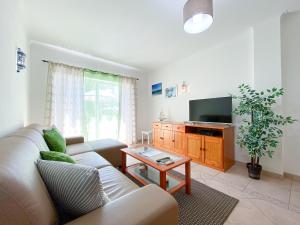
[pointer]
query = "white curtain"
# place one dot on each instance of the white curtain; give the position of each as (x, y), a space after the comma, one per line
(65, 99)
(95, 104)
(127, 120)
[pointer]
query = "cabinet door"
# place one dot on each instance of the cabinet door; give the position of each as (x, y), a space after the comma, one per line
(157, 137)
(194, 147)
(167, 139)
(213, 153)
(179, 140)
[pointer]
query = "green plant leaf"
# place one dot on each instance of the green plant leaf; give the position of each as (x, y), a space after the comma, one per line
(261, 126)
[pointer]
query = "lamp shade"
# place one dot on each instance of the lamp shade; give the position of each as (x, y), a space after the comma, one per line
(197, 15)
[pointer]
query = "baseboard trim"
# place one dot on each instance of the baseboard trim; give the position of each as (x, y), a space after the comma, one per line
(292, 176)
(239, 163)
(264, 172)
(272, 174)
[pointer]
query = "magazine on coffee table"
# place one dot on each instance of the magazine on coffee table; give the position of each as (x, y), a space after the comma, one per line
(149, 152)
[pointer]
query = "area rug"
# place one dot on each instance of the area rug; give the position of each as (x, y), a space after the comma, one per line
(204, 206)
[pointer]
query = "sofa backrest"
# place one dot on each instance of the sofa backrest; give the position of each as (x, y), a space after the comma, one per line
(31, 135)
(24, 199)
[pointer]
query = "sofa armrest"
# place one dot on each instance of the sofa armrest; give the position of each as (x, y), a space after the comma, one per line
(74, 140)
(149, 205)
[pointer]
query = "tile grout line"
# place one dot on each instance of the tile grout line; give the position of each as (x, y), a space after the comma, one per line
(246, 186)
(262, 212)
(289, 206)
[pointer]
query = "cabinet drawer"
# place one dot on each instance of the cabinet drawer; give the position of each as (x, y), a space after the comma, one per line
(156, 125)
(179, 128)
(166, 126)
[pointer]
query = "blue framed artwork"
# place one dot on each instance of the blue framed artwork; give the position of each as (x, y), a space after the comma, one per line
(157, 89)
(171, 91)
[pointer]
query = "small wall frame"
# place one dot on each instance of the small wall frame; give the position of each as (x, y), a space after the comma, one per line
(20, 58)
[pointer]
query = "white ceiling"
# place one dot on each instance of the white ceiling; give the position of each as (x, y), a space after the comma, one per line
(146, 34)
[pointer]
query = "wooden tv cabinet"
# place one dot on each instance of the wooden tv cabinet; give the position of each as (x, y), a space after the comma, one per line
(211, 145)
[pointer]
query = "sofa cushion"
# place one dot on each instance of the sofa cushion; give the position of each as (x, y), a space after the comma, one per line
(78, 149)
(37, 127)
(91, 159)
(24, 198)
(33, 136)
(55, 141)
(115, 183)
(56, 156)
(77, 189)
(109, 149)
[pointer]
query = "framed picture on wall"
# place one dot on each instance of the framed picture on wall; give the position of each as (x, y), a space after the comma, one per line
(157, 89)
(171, 91)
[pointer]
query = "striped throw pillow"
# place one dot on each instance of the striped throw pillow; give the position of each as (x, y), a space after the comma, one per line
(77, 189)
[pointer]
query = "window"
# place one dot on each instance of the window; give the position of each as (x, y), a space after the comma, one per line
(101, 105)
(94, 104)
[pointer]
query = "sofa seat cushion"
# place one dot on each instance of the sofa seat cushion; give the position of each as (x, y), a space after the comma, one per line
(76, 149)
(91, 159)
(115, 184)
(109, 149)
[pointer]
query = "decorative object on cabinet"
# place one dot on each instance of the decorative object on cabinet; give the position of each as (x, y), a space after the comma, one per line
(20, 58)
(210, 144)
(261, 127)
(162, 116)
(157, 89)
(171, 91)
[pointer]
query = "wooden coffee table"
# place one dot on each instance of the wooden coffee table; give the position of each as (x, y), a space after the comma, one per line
(157, 173)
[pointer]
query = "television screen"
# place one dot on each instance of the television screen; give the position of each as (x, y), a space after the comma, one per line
(215, 110)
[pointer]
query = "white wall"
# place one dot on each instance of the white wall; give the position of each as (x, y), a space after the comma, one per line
(39, 70)
(13, 95)
(253, 57)
(291, 82)
(215, 72)
(267, 74)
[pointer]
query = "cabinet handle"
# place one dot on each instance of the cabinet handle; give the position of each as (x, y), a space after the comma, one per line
(173, 140)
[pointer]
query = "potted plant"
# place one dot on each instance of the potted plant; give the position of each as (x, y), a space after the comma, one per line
(261, 127)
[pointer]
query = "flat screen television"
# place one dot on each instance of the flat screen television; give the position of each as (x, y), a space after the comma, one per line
(212, 110)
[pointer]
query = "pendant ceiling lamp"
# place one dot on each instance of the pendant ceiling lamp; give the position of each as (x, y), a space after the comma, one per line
(197, 15)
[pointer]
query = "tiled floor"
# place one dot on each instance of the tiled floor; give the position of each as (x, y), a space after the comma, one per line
(269, 201)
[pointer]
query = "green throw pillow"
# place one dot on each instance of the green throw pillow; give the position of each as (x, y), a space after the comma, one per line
(55, 140)
(56, 156)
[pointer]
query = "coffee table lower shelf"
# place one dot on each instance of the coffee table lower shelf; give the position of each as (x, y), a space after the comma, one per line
(165, 180)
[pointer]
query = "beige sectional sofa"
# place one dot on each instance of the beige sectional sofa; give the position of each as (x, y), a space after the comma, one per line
(24, 199)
